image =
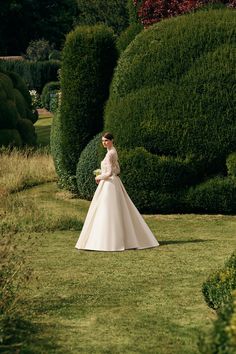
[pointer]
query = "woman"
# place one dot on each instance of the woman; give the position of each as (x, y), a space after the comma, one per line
(113, 223)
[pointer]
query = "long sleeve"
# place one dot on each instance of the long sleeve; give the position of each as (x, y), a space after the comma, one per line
(109, 165)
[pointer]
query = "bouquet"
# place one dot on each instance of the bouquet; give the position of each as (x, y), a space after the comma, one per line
(97, 172)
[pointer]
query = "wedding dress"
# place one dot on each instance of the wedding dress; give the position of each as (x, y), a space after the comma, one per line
(113, 223)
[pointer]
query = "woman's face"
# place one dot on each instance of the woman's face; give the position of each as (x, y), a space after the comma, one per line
(106, 143)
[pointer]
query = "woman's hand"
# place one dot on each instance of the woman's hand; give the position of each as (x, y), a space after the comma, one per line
(97, 180)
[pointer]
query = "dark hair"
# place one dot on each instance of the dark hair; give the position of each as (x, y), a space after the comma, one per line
(108, 136)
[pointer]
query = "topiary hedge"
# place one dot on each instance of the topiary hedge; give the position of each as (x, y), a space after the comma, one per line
(16, 116)
(35, 74)
(49, 89)
(219, 292)
(216, 195)
(173, 94)
(160, 180)
(89, 161)
(218, 287)
(88, 60)
(127, 36)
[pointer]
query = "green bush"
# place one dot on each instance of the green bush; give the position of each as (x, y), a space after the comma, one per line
(218, 287)
(112, 13)
(16, 116)
(27, 132)
(34, 74)
(38, 50)
(57, 153)
(10, 137)
(20, 85)
(173, 92)
(128, 35)
(20, 103)
(88, 162)
(55, 55)
(7, 86)
(155, 178)
(231, 164)
(219, 292)
(221, 339)
(217, 195)
(8, 114)
(49, 89)
(133, 11)
(88, 60)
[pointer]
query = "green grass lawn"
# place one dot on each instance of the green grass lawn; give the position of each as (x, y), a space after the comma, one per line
(146, 301)
(42, 128)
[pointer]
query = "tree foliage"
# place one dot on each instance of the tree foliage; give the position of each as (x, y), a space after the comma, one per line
(24, 20)
(152, 11)
(113, 13)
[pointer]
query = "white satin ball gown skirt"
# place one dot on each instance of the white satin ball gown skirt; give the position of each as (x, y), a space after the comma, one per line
(113, 223)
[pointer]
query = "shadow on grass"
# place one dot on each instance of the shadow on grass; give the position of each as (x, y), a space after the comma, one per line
(179, 242)
(19, 335)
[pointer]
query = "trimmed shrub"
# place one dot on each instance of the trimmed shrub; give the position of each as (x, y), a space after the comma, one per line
(35, 74)
(27, 131)
(218, 287)
(57, 153)
(217, 195)
(7, 86)
(20, 85)
(88, 162)
(10, 137)
(16, 117)
(8, 114)
(155, 178)
(127, 36)
(20, 103)
(49, 89)
(173, 94)
(222, 337)
(231, 164)
(89, 57)
(219, 292)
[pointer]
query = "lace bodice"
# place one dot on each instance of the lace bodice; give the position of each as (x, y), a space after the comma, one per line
(109, 165)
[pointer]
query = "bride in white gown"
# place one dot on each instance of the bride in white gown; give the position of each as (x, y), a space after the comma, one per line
(113, 223)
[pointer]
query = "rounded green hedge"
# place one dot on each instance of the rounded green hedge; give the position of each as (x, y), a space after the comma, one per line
(49, 88)
(173, 93)
(20, 85)
(88, 60)
(217, 195)
(20, 103)
(127, 36)
(10, 137)
(8, 114)
(219, 293)
(16, 116)
(88, 162)
(27, 132)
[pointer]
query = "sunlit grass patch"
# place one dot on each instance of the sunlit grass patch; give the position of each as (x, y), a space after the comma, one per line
(24, 168)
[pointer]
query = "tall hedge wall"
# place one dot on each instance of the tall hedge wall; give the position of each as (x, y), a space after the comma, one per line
(16, 117)
(173, 94)
(34, 74)
(88, 60)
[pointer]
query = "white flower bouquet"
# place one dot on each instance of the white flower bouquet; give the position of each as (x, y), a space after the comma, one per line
(97, 172)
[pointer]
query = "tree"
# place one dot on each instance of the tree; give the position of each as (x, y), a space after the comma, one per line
(49, 19)
(113, 13)
(152, 11)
